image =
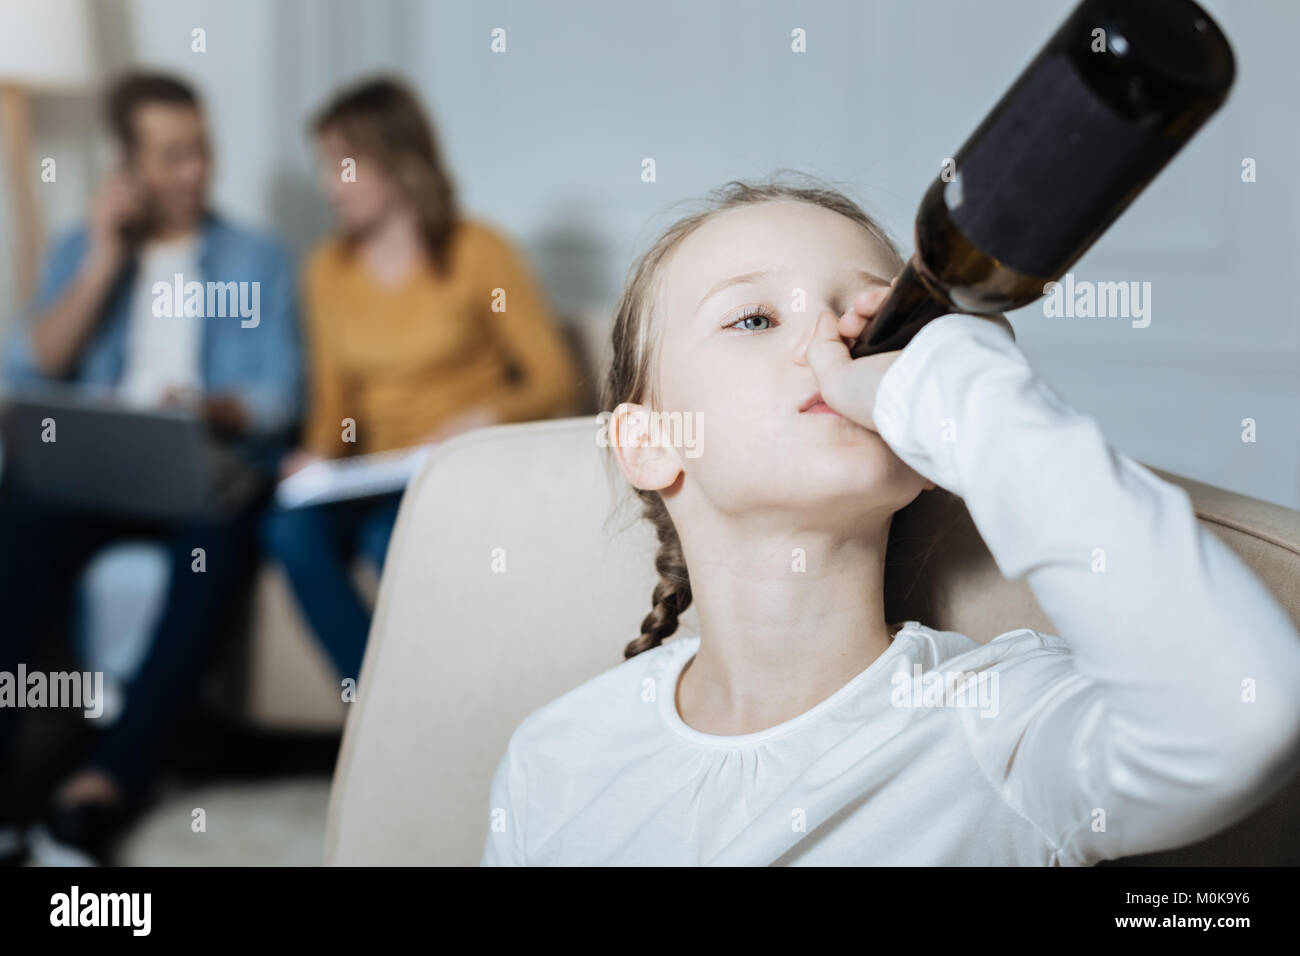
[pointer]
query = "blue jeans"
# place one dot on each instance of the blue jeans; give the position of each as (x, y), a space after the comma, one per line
(316, 547)
(43, 548)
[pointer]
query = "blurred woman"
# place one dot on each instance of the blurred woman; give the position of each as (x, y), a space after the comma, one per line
(421, 324)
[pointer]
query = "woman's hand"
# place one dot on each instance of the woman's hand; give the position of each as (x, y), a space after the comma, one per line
(849, 385)
(477, 417)
(296, 461)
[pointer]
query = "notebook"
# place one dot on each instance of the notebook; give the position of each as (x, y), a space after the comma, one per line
(358, 476)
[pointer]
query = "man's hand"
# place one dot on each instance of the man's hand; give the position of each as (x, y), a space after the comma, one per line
(225, 414)
(118, 202)
(188, 398)
(849, 385)
(60, 330)
(223, 411)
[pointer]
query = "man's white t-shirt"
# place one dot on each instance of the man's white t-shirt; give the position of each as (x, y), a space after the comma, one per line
(1165, 711)
(162, 350)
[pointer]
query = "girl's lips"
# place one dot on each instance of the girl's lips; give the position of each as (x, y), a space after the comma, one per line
(821, 408)
(814, 405)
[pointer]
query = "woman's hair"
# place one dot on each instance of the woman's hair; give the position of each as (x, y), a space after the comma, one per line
(382, 120)
(632, 372)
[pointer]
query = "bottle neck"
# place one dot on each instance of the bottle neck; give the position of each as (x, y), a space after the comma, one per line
(912, 304)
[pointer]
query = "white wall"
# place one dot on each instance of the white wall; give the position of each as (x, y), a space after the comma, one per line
(547, 140)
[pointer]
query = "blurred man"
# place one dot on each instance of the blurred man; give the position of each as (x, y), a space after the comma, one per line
(99, 319)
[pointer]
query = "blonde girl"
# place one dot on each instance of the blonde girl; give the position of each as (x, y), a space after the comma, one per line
(802, 724)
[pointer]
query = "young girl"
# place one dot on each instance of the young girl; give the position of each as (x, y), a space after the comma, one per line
(799, 726)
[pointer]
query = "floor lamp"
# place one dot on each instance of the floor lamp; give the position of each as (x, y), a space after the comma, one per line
(44, 46)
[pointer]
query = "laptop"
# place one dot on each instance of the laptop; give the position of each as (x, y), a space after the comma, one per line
(111, 457)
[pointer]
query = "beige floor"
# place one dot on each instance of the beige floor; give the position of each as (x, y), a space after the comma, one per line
(269, 823)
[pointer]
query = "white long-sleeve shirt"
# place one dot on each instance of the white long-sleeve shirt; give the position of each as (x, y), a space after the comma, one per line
(1165, 710)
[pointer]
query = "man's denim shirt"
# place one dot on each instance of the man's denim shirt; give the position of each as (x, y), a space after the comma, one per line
(261, 363)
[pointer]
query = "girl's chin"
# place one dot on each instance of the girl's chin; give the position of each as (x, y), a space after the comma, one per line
(863, 470)
(830, 423)
(846, 446)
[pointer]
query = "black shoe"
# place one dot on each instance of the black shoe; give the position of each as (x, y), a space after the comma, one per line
(80, 834)
(13, 844)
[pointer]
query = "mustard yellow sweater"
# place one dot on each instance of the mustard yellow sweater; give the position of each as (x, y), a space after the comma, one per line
(400, 361)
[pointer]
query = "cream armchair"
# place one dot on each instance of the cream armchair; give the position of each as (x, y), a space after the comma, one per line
(510, 580)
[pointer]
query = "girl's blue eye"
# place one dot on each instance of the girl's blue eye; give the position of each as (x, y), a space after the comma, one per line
(747, 317)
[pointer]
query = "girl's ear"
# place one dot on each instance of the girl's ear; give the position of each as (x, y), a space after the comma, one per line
(646, 463)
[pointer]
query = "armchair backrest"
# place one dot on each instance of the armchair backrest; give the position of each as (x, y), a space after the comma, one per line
(511, 579)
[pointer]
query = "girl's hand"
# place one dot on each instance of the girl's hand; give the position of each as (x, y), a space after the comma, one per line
(849, 385)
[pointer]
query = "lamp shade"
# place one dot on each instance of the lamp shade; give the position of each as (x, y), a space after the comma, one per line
(45, 44)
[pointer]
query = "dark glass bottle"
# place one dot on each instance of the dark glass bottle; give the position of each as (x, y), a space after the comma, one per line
(1112, 97)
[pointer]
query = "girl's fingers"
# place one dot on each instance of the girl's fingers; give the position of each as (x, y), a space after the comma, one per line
(847, 385)
(868, 301)
(826, 352)
(863, 309)
(851, 324)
